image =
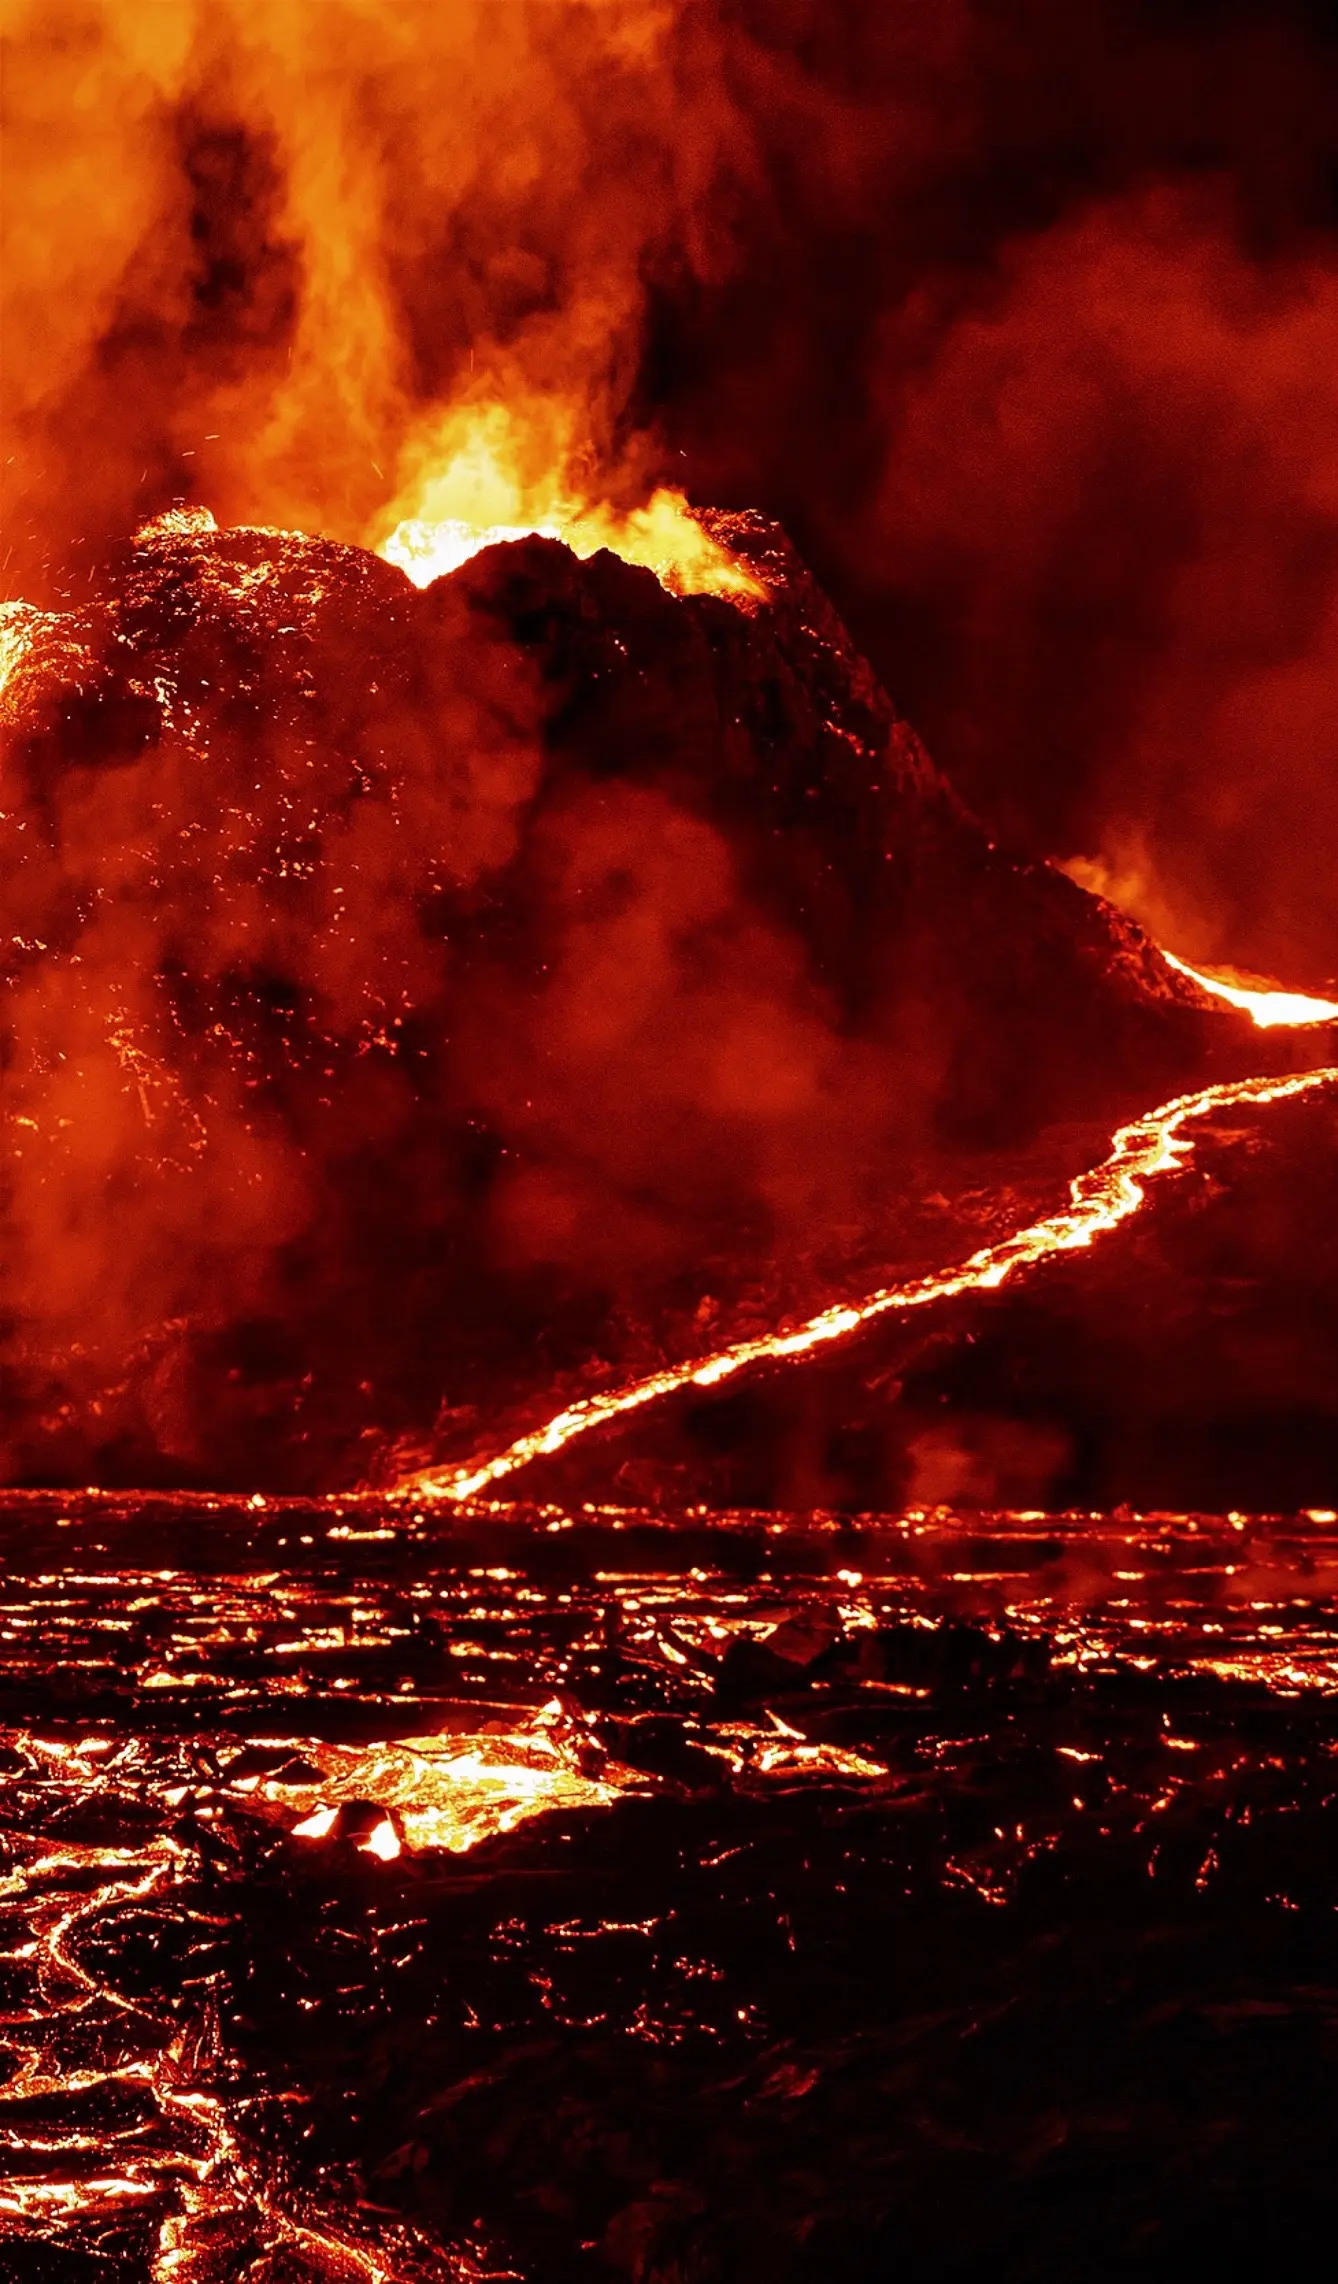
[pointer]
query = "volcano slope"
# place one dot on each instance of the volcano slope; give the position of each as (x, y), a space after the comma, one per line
(1186, 1363)
(413, 998)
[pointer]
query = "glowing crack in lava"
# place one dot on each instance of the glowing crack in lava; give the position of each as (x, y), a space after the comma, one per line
(1099, 1201)
(1267, 1006)
(114, 2105)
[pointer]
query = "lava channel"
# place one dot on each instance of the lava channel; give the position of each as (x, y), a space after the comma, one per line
(1099, 1201)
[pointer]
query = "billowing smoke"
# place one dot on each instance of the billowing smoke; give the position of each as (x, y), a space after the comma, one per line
(232, 808)
(411, 994)
(1120, 482)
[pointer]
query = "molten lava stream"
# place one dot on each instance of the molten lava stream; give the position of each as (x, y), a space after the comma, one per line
(117, 2104)
(1099, 1201)
(1265, 1005)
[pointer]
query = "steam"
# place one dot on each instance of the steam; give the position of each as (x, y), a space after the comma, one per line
(233, 804)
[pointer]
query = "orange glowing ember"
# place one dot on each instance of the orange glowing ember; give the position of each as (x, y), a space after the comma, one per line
(1100, 1200)
(1267, 1006)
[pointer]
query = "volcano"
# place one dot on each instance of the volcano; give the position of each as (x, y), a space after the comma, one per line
(668, 1365)
(533, 1078)
(420, 997)
(536, 1031)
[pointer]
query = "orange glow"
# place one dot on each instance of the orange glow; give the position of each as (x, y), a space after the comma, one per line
(439, 211)
(499, 474)
(449, 1791)
(1099, 1201)
(1268, 1006)
(382, 1842)
(318, 1826)
(662, 537)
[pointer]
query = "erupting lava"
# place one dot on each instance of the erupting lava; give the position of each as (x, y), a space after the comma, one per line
(1100, 1200)
(1267, 1007)
(663, 537)
(501, 475)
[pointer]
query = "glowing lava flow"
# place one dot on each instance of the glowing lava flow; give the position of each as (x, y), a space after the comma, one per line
(119, 2103)
(1268, 1009)
(1100, 1200)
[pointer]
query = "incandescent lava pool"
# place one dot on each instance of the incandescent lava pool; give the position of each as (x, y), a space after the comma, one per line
(566, 1896)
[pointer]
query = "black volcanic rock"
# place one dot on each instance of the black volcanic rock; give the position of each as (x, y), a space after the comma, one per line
(410, 994)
